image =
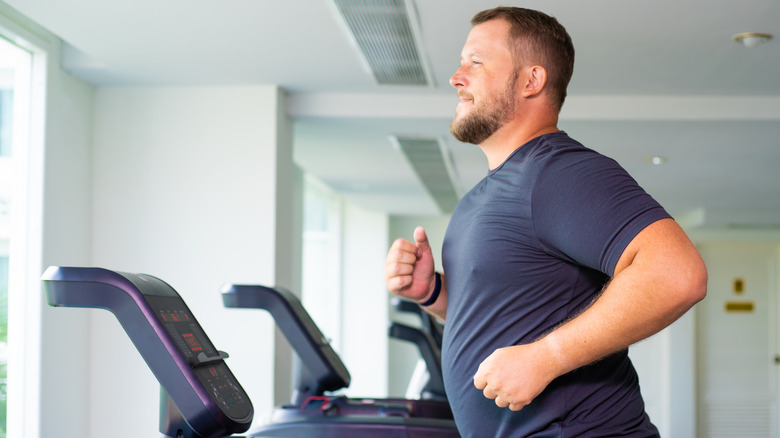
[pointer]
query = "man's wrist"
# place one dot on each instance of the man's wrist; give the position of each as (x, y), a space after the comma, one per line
(436, 291)
(555, 350)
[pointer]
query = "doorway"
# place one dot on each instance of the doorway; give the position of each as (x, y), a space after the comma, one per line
(736, 326)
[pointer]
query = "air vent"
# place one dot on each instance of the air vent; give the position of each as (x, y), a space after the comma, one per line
(431, 163)
(386, 33)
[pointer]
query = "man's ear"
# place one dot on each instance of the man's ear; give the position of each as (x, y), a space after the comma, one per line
(535, 80)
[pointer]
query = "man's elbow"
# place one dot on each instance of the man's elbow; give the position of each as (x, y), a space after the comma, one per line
(694, 285)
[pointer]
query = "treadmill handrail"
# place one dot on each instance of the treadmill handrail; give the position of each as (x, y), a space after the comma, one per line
(297, 326)
(428, 350)
(429, 323)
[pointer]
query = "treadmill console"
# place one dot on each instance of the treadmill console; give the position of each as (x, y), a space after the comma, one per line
(201, 397)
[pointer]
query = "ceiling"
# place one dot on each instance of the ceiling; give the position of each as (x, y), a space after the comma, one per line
(660, 77)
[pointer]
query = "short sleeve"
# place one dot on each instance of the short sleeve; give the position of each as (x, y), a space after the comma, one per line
(587, 208)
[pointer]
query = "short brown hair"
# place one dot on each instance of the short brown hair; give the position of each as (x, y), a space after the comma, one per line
(537, 39)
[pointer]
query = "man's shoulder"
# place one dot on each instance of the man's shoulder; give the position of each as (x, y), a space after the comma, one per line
(559, 156)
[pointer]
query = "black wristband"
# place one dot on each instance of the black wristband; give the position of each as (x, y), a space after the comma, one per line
(436, 290)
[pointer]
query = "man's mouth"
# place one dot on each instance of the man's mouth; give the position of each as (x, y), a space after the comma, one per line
(464, 96)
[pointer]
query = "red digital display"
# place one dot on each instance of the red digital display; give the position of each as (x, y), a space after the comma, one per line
(192, 342)
(182, 327)
(174, 316)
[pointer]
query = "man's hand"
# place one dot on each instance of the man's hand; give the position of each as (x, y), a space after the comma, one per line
(514, 376)
(409, 267)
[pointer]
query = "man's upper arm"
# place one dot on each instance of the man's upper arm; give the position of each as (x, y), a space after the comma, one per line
(665, 255)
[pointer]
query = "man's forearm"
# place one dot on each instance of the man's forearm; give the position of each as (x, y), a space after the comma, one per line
(652, 291)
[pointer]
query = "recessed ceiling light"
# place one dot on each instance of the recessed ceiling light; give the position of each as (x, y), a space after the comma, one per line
(752, 39)
(654, 159)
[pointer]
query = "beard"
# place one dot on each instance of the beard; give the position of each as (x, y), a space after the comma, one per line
(487, 118)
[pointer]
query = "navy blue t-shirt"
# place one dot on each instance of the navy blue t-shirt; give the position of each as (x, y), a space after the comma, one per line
(527, 248)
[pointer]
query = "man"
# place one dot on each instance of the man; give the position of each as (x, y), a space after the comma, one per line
(555, 263)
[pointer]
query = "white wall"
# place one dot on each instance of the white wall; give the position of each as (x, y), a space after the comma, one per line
(666, 364)
(66, 236)
(185, 188)
(364, 308)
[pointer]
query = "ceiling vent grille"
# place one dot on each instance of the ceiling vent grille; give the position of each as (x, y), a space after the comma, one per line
(432, 164)
(386, 33)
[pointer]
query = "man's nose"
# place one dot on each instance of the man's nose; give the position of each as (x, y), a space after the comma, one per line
(459, 78)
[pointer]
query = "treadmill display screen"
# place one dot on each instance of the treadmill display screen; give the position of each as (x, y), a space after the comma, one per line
(192, 341)
(182, 327)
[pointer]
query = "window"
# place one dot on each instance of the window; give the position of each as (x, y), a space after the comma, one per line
(6, 104)
(15, 66)
(3, 341)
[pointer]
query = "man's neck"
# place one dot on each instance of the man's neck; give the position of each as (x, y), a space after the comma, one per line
(499, 146)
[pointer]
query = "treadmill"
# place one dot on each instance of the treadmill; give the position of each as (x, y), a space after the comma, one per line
(314, 410)
(427, 381)
(199, 396)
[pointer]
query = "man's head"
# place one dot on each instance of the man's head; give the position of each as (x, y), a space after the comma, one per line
(537, 39)
(512, 58)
